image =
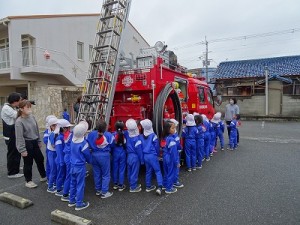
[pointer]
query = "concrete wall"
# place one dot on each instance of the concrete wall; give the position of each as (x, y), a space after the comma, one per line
(291, 105)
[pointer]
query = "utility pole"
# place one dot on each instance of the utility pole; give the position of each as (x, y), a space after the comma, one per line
(267, 89)
(206, 60)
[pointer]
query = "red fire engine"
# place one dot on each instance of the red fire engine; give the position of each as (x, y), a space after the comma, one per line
(159, 89)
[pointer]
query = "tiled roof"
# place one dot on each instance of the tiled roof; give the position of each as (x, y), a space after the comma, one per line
(279, 66)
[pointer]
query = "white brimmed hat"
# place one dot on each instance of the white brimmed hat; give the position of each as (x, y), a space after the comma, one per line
(52, 121)
(64, 123)
(133, 130)
(190, 120)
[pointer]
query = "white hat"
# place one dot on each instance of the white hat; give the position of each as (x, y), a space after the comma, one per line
(190, 120)
(133, 130)
(195, 113)
(47, 120)
(64, 123)
(84, 123)
(216, 118)
(175, 122)
(147, 125)
(52, 121)
(79, 132)
(204, 117)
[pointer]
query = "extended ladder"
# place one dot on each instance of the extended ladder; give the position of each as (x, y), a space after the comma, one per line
(99, 90)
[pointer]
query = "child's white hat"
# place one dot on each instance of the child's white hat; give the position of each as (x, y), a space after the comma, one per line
(47, 120)
(147, 125)
(79, 132)
(190, 120)
(175, 122)
(84, 123)
(204, 117)
(64, 123)
(52, 121)
(133, 130)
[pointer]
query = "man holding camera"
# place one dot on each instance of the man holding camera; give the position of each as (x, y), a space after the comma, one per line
(8, 115)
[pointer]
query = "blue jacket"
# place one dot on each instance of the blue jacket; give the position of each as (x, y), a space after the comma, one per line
(233, 125)
(80, 153)
(68, 140)
(150, 144)
(66, 116)
(170, 149)
(59, 148)
(134, 146)
(190, 133)
(177, 140)
(107, 144)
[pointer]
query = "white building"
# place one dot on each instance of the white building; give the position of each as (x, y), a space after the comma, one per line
(47, 57)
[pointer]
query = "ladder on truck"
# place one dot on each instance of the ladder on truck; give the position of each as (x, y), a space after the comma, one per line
(99, 88)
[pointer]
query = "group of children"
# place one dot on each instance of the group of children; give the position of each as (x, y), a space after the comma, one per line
(131, 145)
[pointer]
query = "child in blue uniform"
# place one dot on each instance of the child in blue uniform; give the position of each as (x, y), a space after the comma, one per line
(150, 147)
(189, 134)
(233, 132)
(199, 140)
(134, 155)
(177, 183)
(68, 135)
(52, 154)
(66, 115)
(206, 125)
(220, 130)
(101, 142)
(45, 140)
(119, 157)
(214, 132)
(80, 155)
(60, 162)
(170, 156)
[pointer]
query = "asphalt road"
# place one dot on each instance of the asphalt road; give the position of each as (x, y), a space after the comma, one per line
(257, 184)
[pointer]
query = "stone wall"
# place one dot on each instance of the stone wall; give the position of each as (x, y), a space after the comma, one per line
(51, 100)
(291, 105)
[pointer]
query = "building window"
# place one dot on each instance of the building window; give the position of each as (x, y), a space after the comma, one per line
(239, 91)
(4, 53)
(91, 52)
(80, 50)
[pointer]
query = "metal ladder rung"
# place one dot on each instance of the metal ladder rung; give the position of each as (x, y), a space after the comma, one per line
(106, 46)
(108, 31)
(110, 17)
(114, 2)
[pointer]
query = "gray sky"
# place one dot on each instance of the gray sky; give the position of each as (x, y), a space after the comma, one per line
(182, 23)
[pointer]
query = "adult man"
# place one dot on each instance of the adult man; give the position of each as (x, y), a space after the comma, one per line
(8, 116)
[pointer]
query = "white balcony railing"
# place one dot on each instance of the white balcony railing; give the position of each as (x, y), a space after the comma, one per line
(52, 60)
(4, 58)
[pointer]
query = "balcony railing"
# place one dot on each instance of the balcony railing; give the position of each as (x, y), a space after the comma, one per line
(4, 58)
(49, 60)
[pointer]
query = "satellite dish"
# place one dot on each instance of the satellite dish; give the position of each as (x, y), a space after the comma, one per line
(160, 46)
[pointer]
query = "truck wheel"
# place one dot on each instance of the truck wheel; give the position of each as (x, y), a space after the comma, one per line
(167, 92)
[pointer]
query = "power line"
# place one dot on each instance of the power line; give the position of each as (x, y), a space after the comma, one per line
(245, 37)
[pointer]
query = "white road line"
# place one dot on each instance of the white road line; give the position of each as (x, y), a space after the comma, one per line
(273, 140)
(147, 210)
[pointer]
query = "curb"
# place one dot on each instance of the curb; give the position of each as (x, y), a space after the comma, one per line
(15, 200)
(67, 218)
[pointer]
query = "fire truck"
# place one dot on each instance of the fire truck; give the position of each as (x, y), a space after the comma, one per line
(159, 88)
(153, 87)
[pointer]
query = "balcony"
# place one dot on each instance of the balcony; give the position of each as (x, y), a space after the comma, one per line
(41, 61)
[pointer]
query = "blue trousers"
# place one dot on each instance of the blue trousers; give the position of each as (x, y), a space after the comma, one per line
(61, 175)
(119, 166)
(207, 145)
(190, 153)
(68, 174)
(133, 168)
(176, 178)
(220, 135)
(101, 170)
(77, 184)
(47, 164)
(212, 141)
(233, 139)
(52, 168)
(152, 164)
(200, 151)
(169, 171)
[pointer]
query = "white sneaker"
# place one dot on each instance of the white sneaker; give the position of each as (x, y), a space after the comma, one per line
(43, 179)
(17, 175)
(30, 184)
